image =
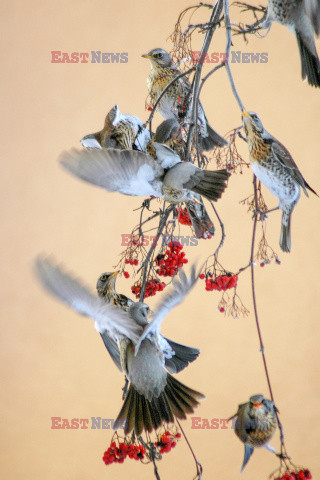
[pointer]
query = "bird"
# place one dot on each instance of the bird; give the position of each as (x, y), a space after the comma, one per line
(169, 133)
(154, 396)
(273, 165)
(120, 131)
(176, 101)
(137, 174)
(302, 17)
(256, 422)
(106, 289)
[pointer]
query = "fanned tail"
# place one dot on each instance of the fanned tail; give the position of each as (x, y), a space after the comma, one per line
(212, 140)
(213, 184)
(310, 65)
(138, 413)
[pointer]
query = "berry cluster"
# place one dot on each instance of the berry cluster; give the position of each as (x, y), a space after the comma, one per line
(171, 261)
(298, 475)
(116, 454)
(183, 216)
(152, 287)
(222, 282)
(167, 441)
(131, 262)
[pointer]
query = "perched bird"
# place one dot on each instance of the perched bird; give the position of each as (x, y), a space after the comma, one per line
(273, 165)
(106, 289)
(154, 396)
(168, 133)
(256, 422)
(176, 102)
(302, 17)
(137, 174)
(120, 131)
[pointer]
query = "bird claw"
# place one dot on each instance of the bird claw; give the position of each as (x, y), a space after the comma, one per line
(146, 203)
(260, 214)
(282, 456)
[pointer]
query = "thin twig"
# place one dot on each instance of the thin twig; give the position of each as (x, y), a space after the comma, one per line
(283, 450)
(198, 464)
(162, 224)
(228, 47)
(223, 234)
(215, 15)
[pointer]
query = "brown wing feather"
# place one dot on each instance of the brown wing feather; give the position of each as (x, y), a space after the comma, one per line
(282, 154)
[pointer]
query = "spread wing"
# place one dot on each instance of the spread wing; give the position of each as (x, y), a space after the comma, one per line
(286, 159)
(68, 289)
(181, 287)
(124, 171)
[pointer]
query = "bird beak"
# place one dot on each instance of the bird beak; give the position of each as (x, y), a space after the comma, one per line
(245, 114)
(195, 200)
(114, 274)
(146, 55)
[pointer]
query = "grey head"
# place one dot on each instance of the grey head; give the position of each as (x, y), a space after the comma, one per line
(159, 57)
(139, 311)
(258, 401)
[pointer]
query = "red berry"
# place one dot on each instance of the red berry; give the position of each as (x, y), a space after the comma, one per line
(201, 276)
(221, 309)
(126, 274)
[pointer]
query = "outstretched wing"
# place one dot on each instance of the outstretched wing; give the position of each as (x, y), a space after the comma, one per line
(124, 171)
(73, 293)
(181, 287)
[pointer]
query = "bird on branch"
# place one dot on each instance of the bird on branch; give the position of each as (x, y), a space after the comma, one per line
(273, 165)
(256, 422)
(120, 131)
(137, 174)
(176, 101)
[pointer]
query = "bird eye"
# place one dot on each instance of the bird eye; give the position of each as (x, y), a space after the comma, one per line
(158, 55)
(254, 116)
(103, 278)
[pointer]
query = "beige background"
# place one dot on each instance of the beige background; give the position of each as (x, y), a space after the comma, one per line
(52, 361)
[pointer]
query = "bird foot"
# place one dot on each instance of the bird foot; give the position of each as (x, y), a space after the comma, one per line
(282, 456)
(260, 214)
(146, 203)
